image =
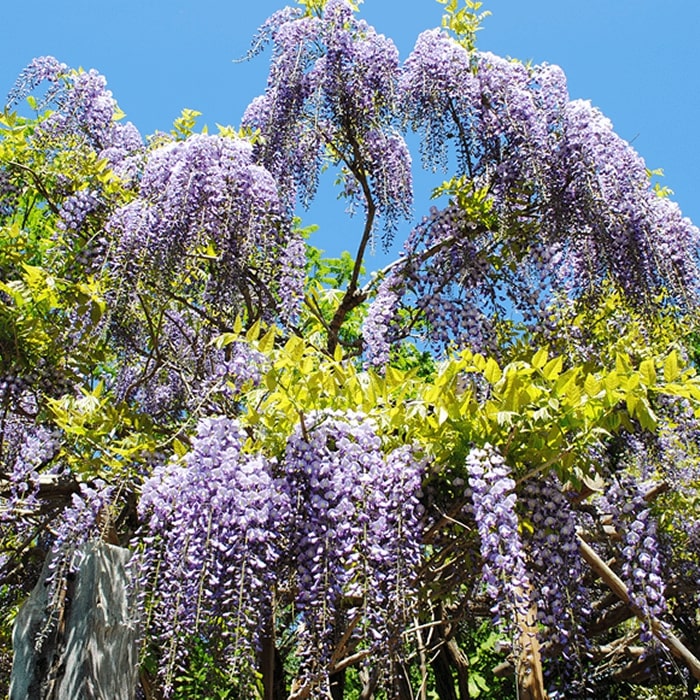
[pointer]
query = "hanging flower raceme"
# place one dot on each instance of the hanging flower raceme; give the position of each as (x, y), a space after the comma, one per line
(332, 95)
(561, 600)
(338, 533)
(494, 500)
(81, 108)
(214, 529)
(204, 203)
(355, 536)
(546, 198)
(641, 560)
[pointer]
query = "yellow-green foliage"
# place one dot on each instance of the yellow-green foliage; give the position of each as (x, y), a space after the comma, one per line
(541, 413)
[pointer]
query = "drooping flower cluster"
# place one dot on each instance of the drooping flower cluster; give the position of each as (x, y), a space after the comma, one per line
(355, 534)
(239, 368)
(125, 153)
(82, 108)
(680, 468)
(338, 530)
(41, 69)
(331, 94)
(560, 598)
(204, 200)
(76, 208)
(375, 328)
(85, 518)
(215, 525)
(26, 449)
(291, 281)
(455, 310)
(549, 198)
(76, 113)
(641, 562)
(494, 509)
(8, 194)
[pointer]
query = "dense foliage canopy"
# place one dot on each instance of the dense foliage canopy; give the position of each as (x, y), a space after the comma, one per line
(473, 473)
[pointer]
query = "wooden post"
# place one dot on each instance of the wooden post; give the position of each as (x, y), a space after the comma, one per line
(91, 650)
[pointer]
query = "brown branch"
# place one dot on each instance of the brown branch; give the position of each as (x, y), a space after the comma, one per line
(661, 632)
(38, 184)
(528, 660)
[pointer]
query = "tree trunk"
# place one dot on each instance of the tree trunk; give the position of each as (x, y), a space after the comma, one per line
(528, 660)
(90, 651)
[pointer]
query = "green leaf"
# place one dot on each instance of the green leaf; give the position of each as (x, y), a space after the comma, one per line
(224, 339)
(648, 372)
(671, 366)
(253, 332)
(540, 358)
(492, 371)
(552, 369)
(592, 385)
(267, 342)
(179, 447)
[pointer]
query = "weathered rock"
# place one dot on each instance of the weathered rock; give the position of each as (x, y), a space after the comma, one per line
(91, 651)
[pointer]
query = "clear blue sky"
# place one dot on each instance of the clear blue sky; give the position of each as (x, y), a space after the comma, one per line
(638, 60)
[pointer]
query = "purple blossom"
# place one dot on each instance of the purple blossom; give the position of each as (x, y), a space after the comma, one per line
(641, 561)
(291, 280)
(26, 450)
(75, 209)
(124, 151)
(43, 68)
(561, 599)
(356, 530)
(191, 374)
(206, 196)
(215, 525)
(376, 326)
(566, 204)
(331, 95)
(493, 497)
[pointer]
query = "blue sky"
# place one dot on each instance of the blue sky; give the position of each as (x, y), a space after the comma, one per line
(637, 60)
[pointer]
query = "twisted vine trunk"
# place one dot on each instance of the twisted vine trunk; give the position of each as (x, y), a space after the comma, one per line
(82, 646)
(529, 662)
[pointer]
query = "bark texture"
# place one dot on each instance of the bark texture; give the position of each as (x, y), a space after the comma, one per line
(89, 650)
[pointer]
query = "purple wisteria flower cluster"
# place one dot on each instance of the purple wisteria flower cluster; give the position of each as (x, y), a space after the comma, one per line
(240, 368)
(562, 601)
(82, 108)
(680, 469)
(554, 554)
(81, 115)
(494, 508)
(75, 209)
(376, 326)
(333, 527)
(215, 525)
(41, 69)
(568, 203)
(86, 518)
(26, 449)
(8, 194)
(355, 535)
(641, 561)
(331, 95)
(205, 201)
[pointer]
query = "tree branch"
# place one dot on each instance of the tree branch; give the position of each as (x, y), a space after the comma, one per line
(662, 633)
